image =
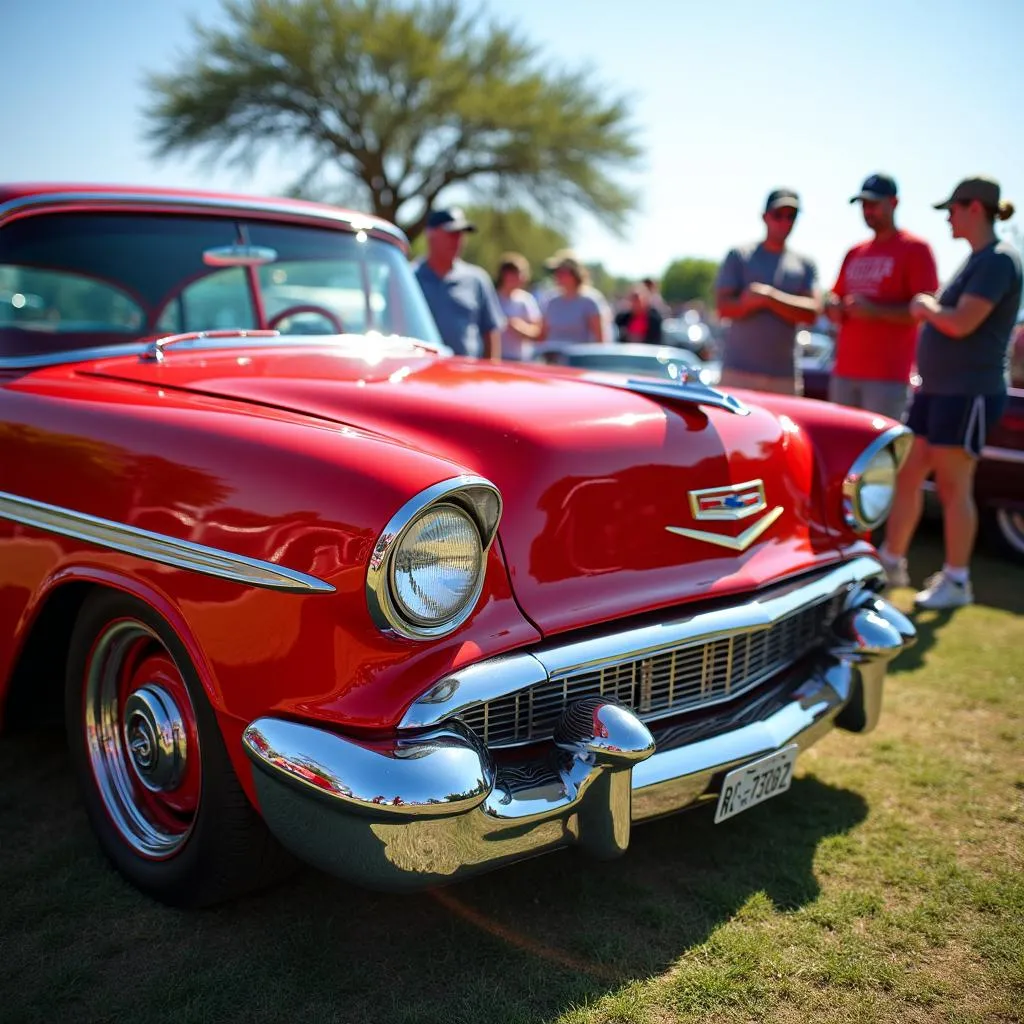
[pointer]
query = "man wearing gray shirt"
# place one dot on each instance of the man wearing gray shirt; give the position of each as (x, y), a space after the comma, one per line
(460, 295)
(766, 291)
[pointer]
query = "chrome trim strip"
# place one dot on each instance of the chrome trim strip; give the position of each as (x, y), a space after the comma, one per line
(498, 677)
(740, 543)
(157, 547)
(476, 496)
(1015, 455)
(900, 438)
(350, 220)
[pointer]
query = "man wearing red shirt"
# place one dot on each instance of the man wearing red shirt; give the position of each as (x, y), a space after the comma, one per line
(877, 339)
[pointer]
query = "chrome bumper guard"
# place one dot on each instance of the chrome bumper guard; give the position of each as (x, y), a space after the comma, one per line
(433, 806)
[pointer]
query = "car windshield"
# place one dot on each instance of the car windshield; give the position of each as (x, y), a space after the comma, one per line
(81, 280)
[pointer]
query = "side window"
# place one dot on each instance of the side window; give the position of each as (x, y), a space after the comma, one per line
(218, 300)
(64, 303)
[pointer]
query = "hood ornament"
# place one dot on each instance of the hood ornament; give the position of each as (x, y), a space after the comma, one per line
(728, 504)
(689, 389)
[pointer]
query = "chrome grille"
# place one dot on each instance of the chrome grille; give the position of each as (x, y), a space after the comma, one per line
(693, 675)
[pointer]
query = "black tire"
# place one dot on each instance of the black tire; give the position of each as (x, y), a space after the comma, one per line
(221, 847)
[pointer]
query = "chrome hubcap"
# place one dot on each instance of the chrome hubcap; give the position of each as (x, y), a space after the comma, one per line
(141, 739)
(155, 737)
(1011, 525)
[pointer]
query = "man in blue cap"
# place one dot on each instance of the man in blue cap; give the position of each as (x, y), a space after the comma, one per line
(870, 304)
(460, 295)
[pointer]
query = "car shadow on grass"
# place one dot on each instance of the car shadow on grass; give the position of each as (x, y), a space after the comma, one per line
(524, 943)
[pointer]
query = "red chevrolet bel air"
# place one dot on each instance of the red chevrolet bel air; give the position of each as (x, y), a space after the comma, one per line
(302, 583)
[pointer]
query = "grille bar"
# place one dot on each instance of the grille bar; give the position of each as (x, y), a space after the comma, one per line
(694, 675)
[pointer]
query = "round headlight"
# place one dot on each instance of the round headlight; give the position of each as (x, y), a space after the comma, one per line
(437, 568)
(871, 496)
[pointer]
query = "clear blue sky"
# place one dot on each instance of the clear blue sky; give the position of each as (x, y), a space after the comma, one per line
(731, 99)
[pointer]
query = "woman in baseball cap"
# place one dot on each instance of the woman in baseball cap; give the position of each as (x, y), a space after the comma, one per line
(963, 358)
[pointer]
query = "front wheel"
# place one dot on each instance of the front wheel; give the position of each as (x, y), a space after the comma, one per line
(159, 788)
(1009, 528)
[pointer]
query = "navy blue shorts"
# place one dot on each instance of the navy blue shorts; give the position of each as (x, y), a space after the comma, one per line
(956, 421)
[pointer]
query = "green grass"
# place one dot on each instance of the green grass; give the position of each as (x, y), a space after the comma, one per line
(887, 885)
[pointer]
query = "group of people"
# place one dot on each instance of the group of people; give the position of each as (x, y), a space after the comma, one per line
(891, 315)
(501, 318)
(886, 304)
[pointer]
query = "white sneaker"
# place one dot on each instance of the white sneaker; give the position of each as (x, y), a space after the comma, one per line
(940, 593)
(896, 574)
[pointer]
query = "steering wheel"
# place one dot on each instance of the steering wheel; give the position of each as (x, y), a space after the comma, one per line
(330, 317)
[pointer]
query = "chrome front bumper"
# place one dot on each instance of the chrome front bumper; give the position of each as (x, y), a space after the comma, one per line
(430, 807)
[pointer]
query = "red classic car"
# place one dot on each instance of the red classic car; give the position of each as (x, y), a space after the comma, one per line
(999, 483)
(405, 615)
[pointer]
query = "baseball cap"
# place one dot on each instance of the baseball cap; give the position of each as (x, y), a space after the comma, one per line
(876, 186)
(451, 219)
(985, 190)
(782, 197)
(564, 258)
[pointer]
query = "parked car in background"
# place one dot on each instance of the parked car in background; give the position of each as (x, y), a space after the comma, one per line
(999, 483)
(404, 615)
(663, 361)
(689, 331)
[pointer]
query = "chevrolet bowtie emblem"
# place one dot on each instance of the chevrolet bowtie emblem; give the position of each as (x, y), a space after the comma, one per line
(740, 501)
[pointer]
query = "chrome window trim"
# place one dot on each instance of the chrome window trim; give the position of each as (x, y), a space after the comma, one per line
(51, 202)
(488, 680)
(203, 341)
(476, 496)
(72, 355)
(157, 547)
(899, 438)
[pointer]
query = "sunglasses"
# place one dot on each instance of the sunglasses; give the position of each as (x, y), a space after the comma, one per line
(783, 213)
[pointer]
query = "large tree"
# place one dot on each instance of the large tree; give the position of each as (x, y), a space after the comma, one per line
(394, 103)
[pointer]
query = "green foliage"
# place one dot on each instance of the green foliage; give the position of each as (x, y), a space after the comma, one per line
(394, 103)
(608, 284)
(690, 279)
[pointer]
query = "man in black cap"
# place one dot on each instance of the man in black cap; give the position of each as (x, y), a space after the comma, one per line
(460, 295)
(870, 303)
(766, 290)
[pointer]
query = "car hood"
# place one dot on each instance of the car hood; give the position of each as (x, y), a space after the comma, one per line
(601, 519)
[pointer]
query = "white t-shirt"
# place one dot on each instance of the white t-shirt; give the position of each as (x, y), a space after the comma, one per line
(523, 305)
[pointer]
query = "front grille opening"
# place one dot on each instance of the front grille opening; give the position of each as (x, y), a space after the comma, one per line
(697, 674)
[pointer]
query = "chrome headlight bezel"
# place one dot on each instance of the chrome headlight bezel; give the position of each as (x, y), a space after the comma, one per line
(894, 443)
(474, 497)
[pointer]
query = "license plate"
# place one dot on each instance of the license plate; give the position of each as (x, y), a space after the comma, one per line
(756, 782)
